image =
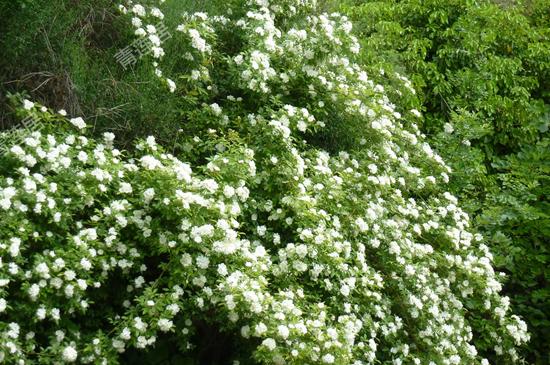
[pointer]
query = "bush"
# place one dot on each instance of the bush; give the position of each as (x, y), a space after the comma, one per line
(483, 73)
(301, 249)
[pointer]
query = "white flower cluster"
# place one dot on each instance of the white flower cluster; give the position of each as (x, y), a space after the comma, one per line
(317, 253)
(426, 260)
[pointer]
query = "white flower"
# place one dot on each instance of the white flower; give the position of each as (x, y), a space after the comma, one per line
(301, 250)
(448, 128)
(148, 195)
(69, 291)
(41, 313)
(126, 334)
(15, 244)
(43, 270)
(216, 108)
(416, 113)
(210, 185)
(202, 262)
(229, 302)
(222, 269)
(82, 284)
(260, 329)
(78, 122)
(174, 308)
(165, 324)
(361, 224)
(157, 13)
(150, 163)
(59, 335)
(136, 22)
(34, 290)
(171, 85)
(302, 126)
(70, 354)
(245, 332)
(151, 142)
(186, 260)
(328, 359)
(108, 137)
(345, 290)
(139, 324)
(27, 104)
(228, 191)
(283, 331)
(197, 41)
(17, 150)
(153, 38)
(125, 188)
(69, 275)
(138, 10)
(85, 263)
(261, 230)
(269, 343)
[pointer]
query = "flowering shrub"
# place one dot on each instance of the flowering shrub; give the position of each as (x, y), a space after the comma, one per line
(309, 252)
(482, 72)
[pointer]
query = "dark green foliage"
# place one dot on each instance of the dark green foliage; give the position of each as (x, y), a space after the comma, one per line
(482, 69)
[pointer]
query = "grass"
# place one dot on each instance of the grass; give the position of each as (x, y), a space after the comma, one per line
(65, 59)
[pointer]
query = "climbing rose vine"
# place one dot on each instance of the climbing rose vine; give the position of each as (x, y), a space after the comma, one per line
(303, 212)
